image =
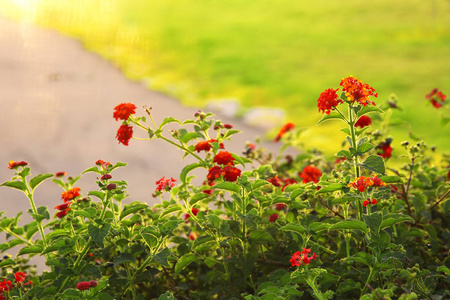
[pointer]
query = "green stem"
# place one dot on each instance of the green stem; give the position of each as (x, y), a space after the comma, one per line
(130, 280)
(317, 293)
(33, 208)
(367, 281)
(351, 124)
(7, 230)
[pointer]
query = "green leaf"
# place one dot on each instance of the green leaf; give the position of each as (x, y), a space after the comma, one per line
(190, 136)
(373, 221)
(349, 225)
(259, 183)
(168, 120)
(35, 181)
(93, 169)
(42, 213)
(71, 294)
(34, 249)
(346, 131)
(330, 188)
(202, 240)
(344, 153)
(124, 258)
(170, 209)
(15, 185)
(187, 169)
(294, 227)
(132, 208)
(7, 262)
(260, 236)
(98, 194)
(319, 226)
(184, 261)
(215, 220)
(150, 239)
(198, 197)
(331, 116)
(162, 256)
(367, 109)
(229, 186)
(395, 218)
(98, 234)
(391, 179)
(374, 163)
(363, 148)
(54, 246)
(444, 269)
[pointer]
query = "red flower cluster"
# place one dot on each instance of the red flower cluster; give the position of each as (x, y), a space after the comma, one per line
(106, 177)
(229, 173)
(123, 111)
(309, 174)
(280, 206)
(367, 202)
(386, 149)
(328, 100)
(16, 164)
(70, 194)
(356, 90)
(363, 121)
(286, 127)
(6, 285)
(164, 185)
(194, 211)
(302, 258)
(103, 164)
(124, 134)
(60, 174)
(224, 158)
(85, 285)
(436, 97)
(275, 181)
(273, 217)
(361, 183)
(206, 145)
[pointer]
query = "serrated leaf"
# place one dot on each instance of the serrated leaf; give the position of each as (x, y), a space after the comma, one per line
(190, 136)
(260, 236)
(132, 208)
(330, 188)
(391, 179)
(98, 234)
(294, 227)
(188, 169)
(150, 239)
(374, 163)
(54, 246)
(349, 225)
(259, 183)
(71, 294)
(124, 258)
(184, 261)
(35, 181)
(170, 209)
(202, 240)
(162, 256)
(7, 262)
(367, 109)
(363, 148)
(215, 220)
(168, 120)
(373, 221)
(319, 226)
(19, 185)
(93, 169)
(344, 153)
(332, 116)
(98, 194)
(229, 186)
(443, 269)
(34, 249)
(394, 218)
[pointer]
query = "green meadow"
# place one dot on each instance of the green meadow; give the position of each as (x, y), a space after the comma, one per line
(281, 53)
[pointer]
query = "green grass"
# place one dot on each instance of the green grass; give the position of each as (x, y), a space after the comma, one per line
(280, 53)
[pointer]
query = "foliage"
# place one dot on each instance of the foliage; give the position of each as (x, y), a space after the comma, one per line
(251, 227)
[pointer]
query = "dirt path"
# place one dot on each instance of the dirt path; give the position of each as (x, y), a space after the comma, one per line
(57, 101)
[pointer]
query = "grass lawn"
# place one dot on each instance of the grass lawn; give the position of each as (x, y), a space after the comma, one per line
(281, 53)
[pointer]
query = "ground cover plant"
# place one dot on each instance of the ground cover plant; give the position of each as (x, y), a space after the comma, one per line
(243, 226)
(264, 52)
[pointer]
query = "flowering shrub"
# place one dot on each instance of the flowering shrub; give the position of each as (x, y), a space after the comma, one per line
(367, 230)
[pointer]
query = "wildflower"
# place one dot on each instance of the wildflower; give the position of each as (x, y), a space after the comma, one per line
(194, 211)
(99, 162)
(60, 174)
(386, 149)
(273, 217)
(286, 127)
(280, 206)
(83, 285)
(16, 164)
(5, 285)
(365, 203)
(20, 277)
(63, 213)
(374, 201)
(436, 97)
(106, 177)
(363, 121)
(93, 283)
(206, 145)
(361, 183)
(227, 126)
(328, 100)
(275, 181)
(231, 174)
(193, 236)
(124, 134)
(368, 201)
(287, 182)
(165, 184)
(224, 158)
(214, 173)
(63, 206)
(309, 174)
(124, 110)
(70, 194)
(356, 90)
(377, 181)
(299, 258)
(111, 186)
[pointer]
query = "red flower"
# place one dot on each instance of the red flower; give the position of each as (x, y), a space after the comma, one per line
(377, 181)
(363, 121)
(228, 126)
(93, 283)
(309, 174)
(365, 203)
(106, 177)
(70, 194)
(123, 111)
(165, 184)
(60, 174)
(5, 285)
(194, 212)
(386, 149)
(111, 186)
(214, 173)
(99, 162)
(124, 134)
(275, 181)
(63, 213)
(273, 217)
(63, 206)
(203, 146)
(193, 236)
(231, 173)
(20, 277)
(287, 182)
(328, 100)
(340, 159)
(299, 258)
(361, 183)
(280, 206)
(83, 285)
(224, 158)
(356, 90)
(286, 127)
(436, 97)
(16, 164)
(374, 201)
